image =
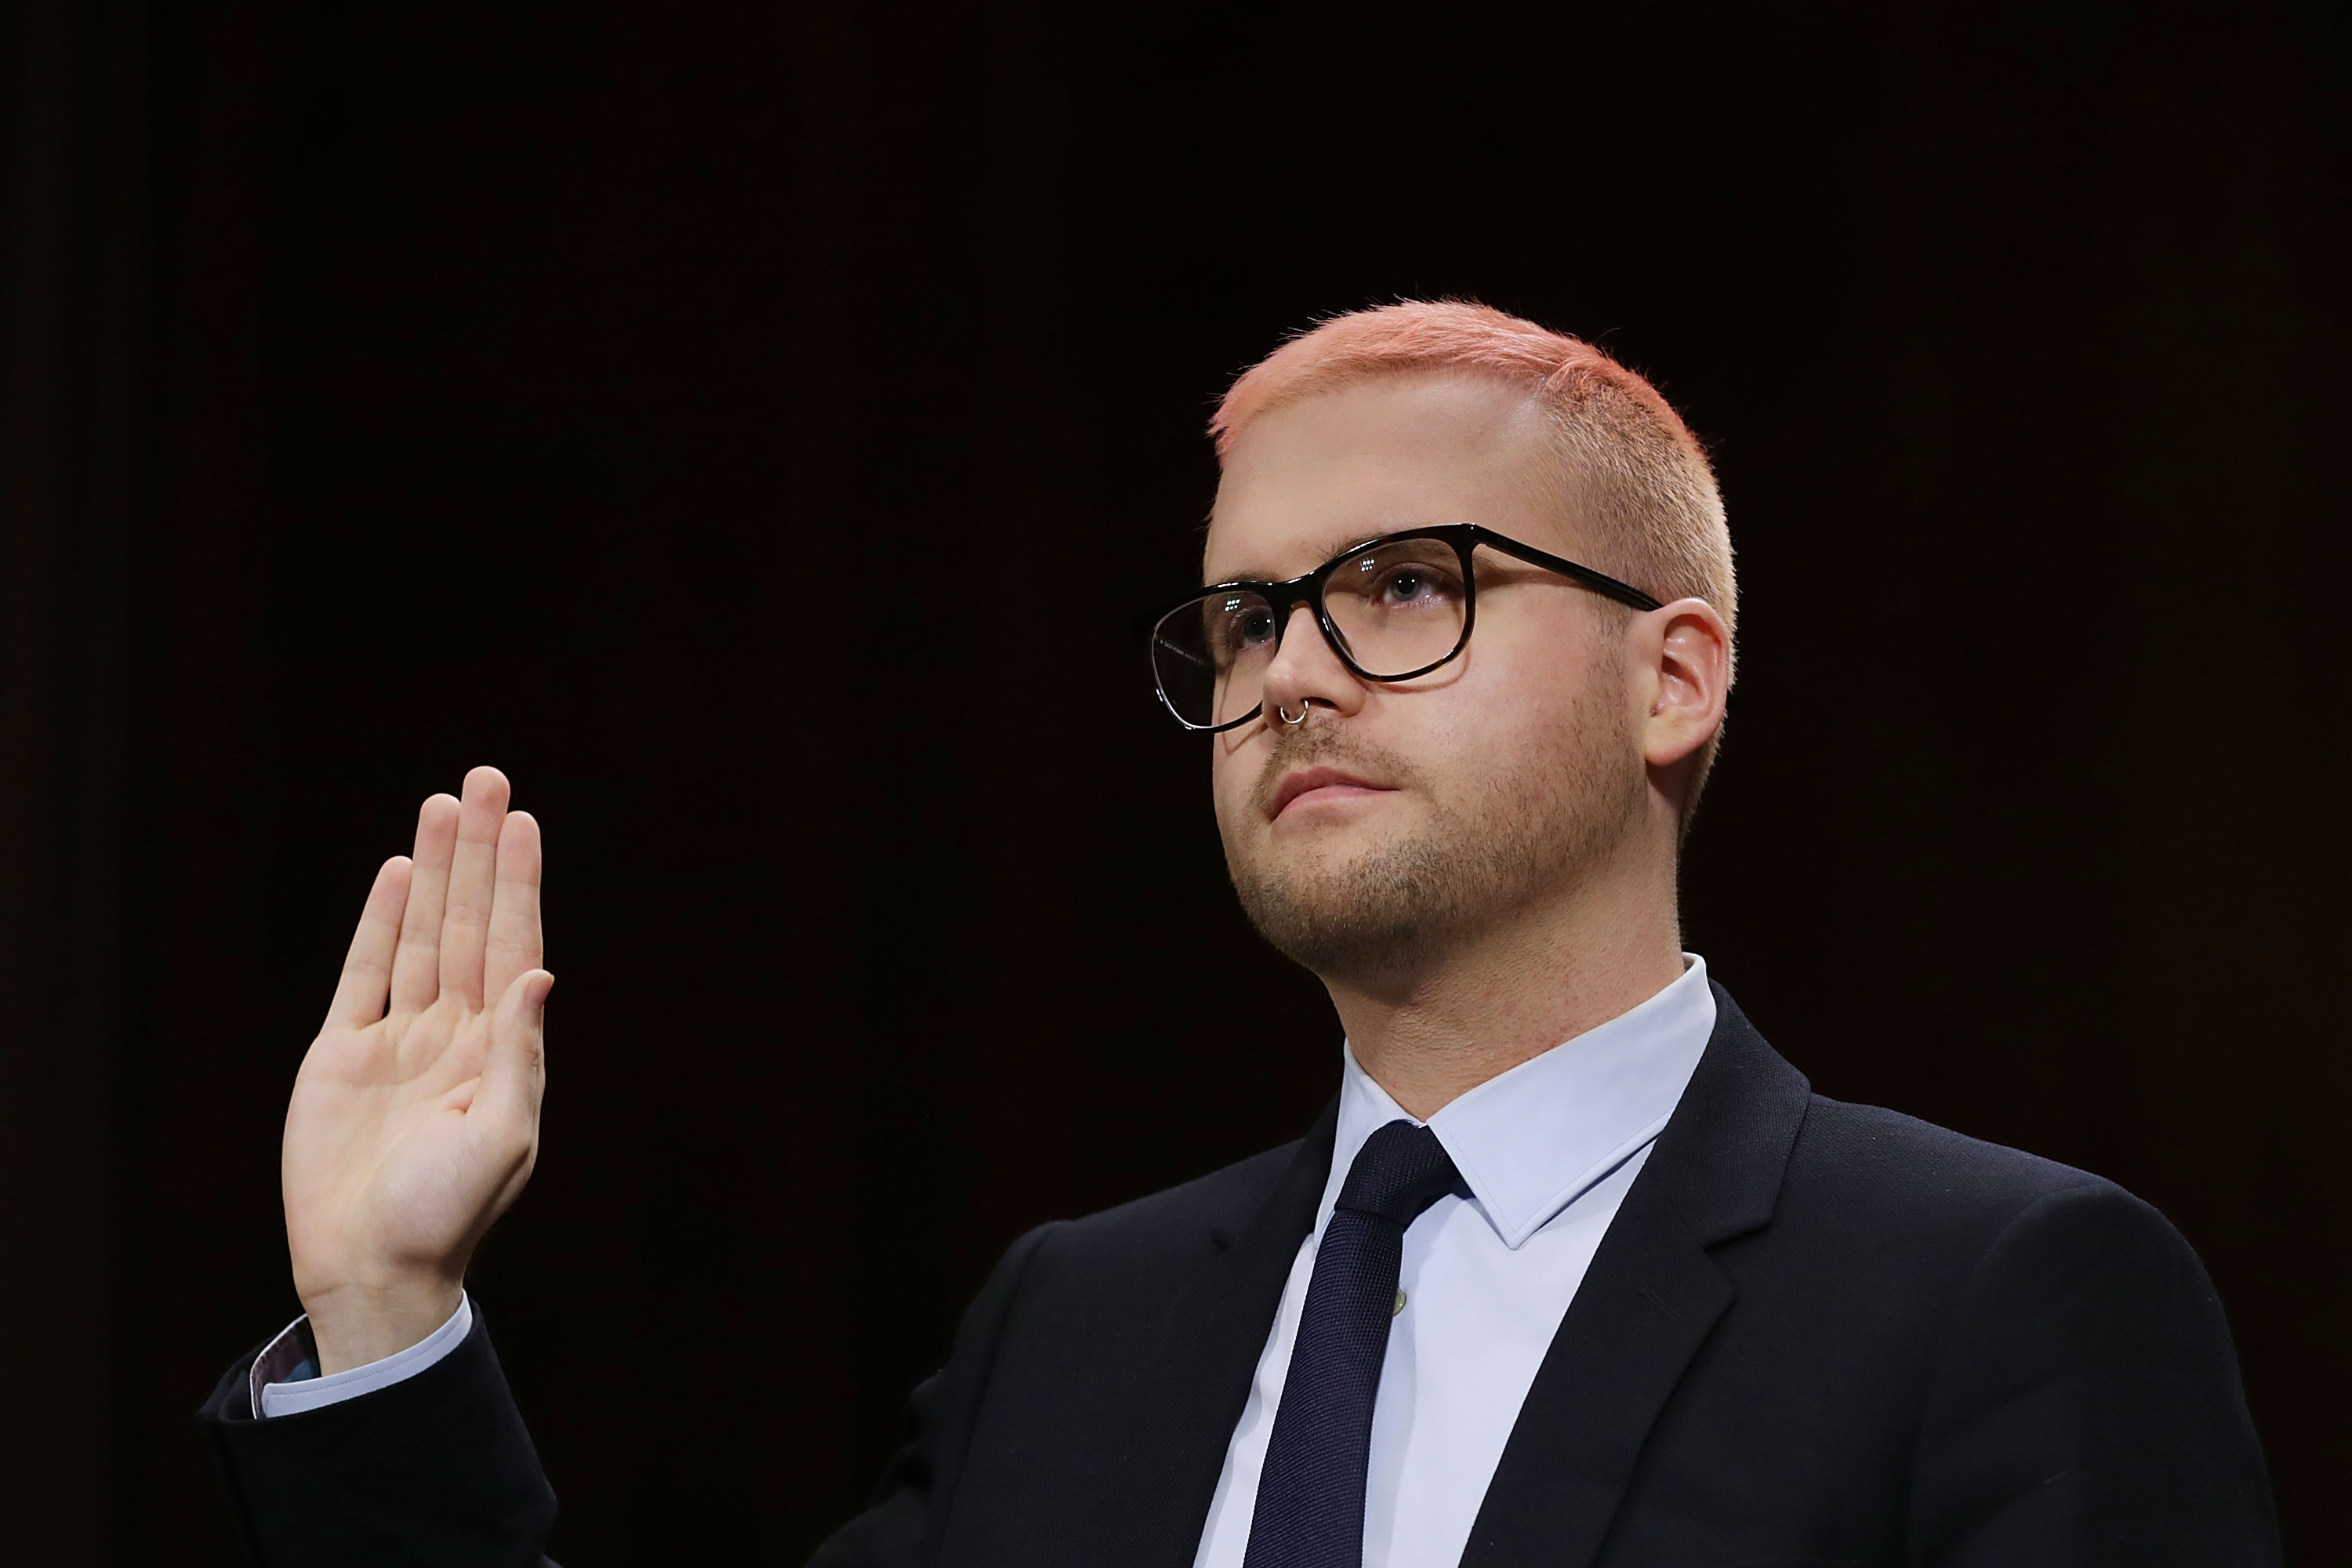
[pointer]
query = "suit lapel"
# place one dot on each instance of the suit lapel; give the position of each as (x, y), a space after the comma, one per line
(1646, 1305)
(1209, 1349)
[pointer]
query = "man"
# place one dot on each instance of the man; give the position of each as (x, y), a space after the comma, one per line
(1575, 1270)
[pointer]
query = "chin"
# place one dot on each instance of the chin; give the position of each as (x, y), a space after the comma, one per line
(1341, 909)
(1328, 850)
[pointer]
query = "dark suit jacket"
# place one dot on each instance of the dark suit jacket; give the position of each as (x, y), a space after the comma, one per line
(1816, 1333)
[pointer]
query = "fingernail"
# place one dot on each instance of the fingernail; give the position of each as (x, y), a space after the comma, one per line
(538, 990)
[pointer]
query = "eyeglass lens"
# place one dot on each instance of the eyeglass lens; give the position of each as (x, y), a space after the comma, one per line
(1398, 606)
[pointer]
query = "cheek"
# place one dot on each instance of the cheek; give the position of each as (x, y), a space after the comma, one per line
(1230, 777)
(1524, 707)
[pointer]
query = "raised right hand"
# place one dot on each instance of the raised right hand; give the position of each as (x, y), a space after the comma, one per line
(415, 1121)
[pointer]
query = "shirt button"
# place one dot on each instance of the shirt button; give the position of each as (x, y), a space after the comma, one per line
(1399, 1305)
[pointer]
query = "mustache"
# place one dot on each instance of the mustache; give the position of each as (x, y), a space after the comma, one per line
(1329, 745)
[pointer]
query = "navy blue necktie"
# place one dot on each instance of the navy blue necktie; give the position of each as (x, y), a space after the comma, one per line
(1310, 1495)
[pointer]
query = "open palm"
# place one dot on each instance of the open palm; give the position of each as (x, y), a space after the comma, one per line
(415, 1119)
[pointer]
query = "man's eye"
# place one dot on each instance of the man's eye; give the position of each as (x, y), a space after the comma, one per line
(1249, 628)
(1412, 585)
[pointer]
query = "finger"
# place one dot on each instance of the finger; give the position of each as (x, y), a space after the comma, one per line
(514, 1078)
(417, 967)
(367, 968)
(516, 946)
(466, 921)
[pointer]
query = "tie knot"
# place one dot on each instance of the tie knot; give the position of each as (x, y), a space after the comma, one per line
(1400, 1171)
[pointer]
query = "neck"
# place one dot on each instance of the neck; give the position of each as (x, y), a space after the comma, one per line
(1434, 1033)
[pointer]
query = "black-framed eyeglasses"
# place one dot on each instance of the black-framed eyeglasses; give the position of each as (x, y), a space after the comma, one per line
(1392, 608)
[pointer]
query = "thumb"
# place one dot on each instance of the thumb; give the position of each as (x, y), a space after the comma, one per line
(515, 1076)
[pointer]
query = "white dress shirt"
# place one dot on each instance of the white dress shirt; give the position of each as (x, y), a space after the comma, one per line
(1547, 1150)
(285, 1382)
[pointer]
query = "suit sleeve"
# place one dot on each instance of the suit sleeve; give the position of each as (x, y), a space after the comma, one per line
(438, 1468)
(904, 1519)
(2087, 1409)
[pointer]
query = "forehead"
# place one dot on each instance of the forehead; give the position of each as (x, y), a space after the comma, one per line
(1310, 478)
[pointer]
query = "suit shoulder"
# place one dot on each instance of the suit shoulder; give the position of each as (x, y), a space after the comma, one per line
(1872, 1158)
(1919, 1210)
(1223, 1200)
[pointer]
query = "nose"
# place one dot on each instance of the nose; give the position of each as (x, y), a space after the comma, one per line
(1305, 672)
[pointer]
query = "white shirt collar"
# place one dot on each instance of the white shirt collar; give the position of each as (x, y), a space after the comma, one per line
(1529, 1142)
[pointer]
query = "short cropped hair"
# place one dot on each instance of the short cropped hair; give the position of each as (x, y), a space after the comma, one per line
(1629, 468)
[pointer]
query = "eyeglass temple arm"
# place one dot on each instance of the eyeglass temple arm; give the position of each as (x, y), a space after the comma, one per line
(1598, 582)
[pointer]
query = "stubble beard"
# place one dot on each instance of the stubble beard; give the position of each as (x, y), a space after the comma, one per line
(1493, 845)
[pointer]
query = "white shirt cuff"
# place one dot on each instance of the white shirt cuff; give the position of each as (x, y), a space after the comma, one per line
(285, 1374)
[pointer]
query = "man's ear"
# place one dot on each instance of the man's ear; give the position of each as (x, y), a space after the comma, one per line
(1686, 654)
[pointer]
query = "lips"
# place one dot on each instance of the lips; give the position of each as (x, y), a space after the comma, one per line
(1307, 781)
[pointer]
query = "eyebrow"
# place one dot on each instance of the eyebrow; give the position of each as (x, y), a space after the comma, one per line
(1340, 544)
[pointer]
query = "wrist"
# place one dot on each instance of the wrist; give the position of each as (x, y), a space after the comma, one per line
(353, 1325)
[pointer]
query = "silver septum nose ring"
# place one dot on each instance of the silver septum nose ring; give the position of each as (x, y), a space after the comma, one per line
(1284, 714)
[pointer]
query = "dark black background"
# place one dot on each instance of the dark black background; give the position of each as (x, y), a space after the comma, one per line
(759, 429)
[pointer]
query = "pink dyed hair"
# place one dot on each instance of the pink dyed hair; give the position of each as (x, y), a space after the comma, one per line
(1629, 467)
